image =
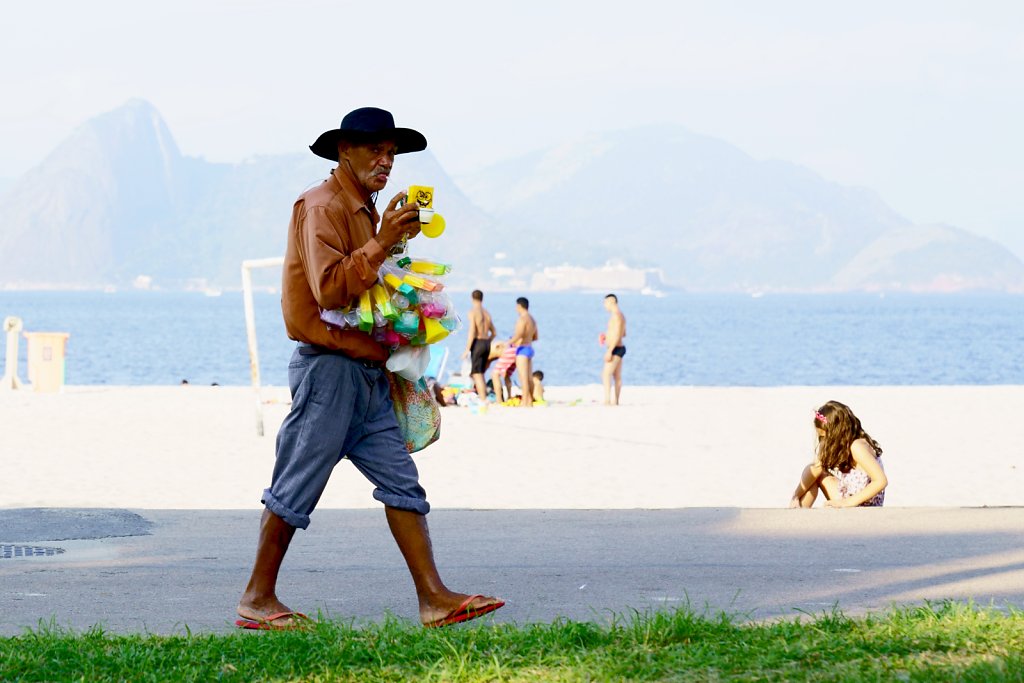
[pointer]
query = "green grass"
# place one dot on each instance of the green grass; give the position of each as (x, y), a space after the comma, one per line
(937, 642)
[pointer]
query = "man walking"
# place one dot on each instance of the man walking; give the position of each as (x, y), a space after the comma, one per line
(478, 343)
(615, 350)
(341, 404)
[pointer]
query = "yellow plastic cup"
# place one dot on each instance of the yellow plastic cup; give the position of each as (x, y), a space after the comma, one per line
(433, 330)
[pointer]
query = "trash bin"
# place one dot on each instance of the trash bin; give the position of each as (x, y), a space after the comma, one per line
(46, 360)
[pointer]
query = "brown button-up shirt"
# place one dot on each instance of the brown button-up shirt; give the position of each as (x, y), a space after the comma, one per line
(331, 258)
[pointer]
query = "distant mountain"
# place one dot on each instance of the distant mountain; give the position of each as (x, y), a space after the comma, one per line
(117, 200)
(713, 218)
(930, 258)
(98, 203)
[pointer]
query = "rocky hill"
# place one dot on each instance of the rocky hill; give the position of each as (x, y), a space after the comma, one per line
(117, 200)
(713, 218)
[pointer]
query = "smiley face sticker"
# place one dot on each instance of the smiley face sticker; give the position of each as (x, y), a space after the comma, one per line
(432, 223)
(422, 195)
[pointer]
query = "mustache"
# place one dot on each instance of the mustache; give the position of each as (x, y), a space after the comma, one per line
(381, 169)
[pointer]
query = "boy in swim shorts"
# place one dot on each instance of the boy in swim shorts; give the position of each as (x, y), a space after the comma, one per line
(615, 351)
(478, 342)
(525, 334)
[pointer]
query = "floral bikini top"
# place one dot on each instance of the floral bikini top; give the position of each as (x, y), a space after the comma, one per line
(853, 482)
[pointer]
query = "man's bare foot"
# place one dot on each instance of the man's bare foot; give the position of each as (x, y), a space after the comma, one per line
(451, 608)
(259, 611)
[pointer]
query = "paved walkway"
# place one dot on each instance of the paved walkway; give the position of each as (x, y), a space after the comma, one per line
(160, 571)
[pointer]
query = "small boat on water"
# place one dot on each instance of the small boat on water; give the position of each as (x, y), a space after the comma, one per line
(651, 291)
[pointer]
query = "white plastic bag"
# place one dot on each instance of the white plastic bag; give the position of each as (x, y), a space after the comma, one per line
(409, 362)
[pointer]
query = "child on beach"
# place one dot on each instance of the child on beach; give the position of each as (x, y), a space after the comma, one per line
(846, 466)
(538, 386)
(504, 355)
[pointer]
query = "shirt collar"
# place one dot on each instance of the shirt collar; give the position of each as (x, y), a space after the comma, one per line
(353, 195)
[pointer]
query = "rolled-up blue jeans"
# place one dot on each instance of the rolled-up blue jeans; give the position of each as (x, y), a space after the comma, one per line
(340, 408)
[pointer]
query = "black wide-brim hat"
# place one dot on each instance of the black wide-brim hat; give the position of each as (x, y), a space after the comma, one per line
(368, 124)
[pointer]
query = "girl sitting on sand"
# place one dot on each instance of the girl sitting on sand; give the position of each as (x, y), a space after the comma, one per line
(846, 465)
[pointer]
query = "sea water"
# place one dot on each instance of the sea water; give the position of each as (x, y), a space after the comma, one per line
(156, 337)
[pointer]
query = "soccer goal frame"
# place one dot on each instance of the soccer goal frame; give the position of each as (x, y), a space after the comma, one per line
(250, 329)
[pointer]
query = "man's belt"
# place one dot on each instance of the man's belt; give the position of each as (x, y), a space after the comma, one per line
(315, 350)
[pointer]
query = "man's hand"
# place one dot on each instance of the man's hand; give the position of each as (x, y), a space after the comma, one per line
(397, 223)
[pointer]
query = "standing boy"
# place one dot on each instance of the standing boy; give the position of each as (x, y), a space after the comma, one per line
(522, 338)
(478, 343)
(615, 350)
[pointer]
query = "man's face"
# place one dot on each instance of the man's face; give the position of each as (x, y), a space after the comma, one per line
(608, 304)
(371, 162)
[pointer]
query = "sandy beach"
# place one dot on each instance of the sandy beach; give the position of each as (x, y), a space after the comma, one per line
(192, 447)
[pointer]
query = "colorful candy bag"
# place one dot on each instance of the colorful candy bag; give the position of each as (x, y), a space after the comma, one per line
(407, 307)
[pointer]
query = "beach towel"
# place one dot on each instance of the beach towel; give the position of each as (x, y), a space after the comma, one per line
(506, 361)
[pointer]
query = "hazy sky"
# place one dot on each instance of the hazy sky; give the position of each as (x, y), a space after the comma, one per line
(922, 101)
